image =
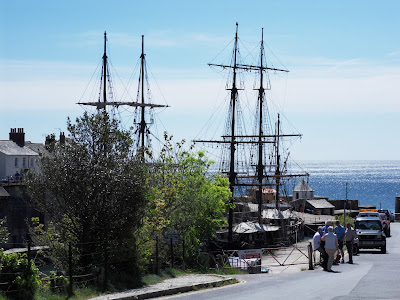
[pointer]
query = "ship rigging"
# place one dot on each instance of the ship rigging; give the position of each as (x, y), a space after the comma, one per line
(142, 107)
(234, 141)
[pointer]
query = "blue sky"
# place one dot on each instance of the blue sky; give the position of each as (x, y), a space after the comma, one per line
(342, 92)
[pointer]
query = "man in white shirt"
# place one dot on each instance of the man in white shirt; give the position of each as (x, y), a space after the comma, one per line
(350, 236)
(319, 246)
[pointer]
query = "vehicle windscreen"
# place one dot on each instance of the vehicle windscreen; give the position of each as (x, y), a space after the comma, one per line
(369, 224)
(368, 215)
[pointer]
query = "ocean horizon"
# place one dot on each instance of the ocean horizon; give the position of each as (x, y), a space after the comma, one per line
(371, 182)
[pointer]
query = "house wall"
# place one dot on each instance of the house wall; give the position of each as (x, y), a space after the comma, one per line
(303, 195)
(2, 165)
(9, 168)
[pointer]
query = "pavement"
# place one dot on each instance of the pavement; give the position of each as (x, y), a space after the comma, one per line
(283, 261)
(172, 286)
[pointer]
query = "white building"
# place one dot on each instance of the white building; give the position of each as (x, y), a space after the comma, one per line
(303, 191)
(15, 156)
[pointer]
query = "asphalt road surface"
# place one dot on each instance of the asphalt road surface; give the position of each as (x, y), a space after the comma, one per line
(372, 276)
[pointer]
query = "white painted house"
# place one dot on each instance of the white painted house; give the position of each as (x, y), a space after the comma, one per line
(303, 191)
(15, 156)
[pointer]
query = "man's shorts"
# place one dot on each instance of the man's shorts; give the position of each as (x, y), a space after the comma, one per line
(340, 245)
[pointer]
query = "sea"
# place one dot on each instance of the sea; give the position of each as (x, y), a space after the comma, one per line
(371, 182)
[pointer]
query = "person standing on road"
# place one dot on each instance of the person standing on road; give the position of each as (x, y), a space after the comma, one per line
(319, 245)
(331, 246)
(324, 230)
(340, 232)
(350, 236)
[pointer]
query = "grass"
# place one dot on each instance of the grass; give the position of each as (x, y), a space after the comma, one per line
(225, 271)
(164, 274)
(44, 293)
(79, 294)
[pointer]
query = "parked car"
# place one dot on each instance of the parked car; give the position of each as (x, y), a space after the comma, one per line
(385, 224)
(388, 213)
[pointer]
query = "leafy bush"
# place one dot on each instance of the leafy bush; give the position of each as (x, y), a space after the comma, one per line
(3, 231)
(343, 222)
(18, 276)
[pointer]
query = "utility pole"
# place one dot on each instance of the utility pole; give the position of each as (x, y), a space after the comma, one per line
(345, 204)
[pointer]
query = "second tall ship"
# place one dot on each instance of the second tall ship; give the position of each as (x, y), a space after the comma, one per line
(258, 183)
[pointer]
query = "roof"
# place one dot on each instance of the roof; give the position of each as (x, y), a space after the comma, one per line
(250, 227)
(11, 148)
(313, 219)
(37, 147)
(253, 207)
(320, 203)
(303, 187)
(275, 214)
(3, 192)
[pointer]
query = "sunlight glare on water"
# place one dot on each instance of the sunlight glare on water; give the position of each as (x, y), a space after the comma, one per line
(371, 182)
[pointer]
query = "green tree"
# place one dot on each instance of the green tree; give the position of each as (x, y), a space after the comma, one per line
(3, 231)
(18, 276)
(185, 198)
(91, 188)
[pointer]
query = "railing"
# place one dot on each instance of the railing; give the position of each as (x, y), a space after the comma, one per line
(75, 275)
(279, 255)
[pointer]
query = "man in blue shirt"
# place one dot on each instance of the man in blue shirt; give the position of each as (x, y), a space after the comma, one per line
(340, 232)
(324, 229)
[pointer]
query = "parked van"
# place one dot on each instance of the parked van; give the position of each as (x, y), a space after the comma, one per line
(370, 233)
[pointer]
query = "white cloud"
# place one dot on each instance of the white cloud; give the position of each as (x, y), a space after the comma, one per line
(379, 92)
(42, 84)
(37, 87)
(40, 95)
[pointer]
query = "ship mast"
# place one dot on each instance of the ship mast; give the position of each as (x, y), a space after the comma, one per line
(233, 140)
(260, 165)
(232, 173)
(277, 170)
(260, 139)
(105, 67)
(142, 125)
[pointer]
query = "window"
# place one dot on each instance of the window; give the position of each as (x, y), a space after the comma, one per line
(24, 162)
(16, 161)
(32, 162)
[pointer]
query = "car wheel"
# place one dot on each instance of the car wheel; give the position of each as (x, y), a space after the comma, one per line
(383, 249)
(388, 233)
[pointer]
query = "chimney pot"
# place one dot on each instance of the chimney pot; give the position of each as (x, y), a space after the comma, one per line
(18, 137)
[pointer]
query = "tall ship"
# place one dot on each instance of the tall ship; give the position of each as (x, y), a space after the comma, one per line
(254, 161)
(143, 115)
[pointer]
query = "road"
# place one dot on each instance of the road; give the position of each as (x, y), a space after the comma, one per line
(372, 276)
